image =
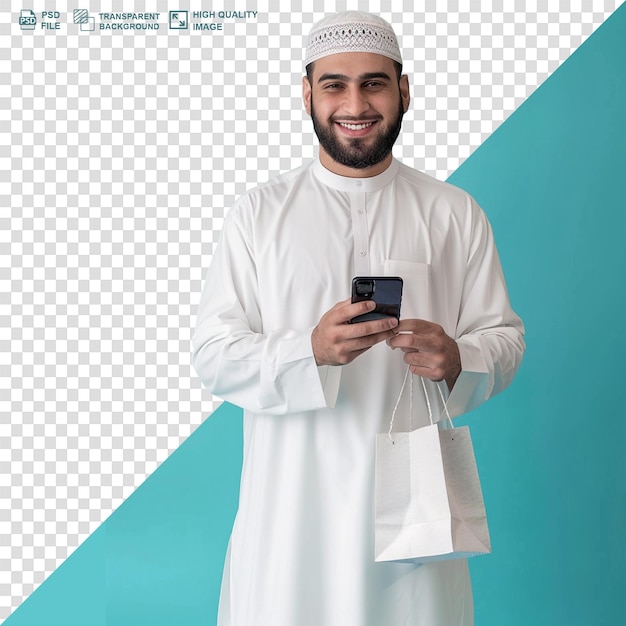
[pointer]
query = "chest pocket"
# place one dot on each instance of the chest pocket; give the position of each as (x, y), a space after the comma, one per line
(416, 295)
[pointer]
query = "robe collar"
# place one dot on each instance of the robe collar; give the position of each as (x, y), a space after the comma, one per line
(355, 185)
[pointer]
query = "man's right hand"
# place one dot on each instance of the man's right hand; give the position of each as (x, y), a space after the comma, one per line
(337, 342)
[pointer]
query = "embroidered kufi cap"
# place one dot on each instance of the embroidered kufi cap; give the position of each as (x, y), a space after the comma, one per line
(352, 31)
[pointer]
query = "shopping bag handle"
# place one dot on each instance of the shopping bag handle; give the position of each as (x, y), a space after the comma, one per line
(430, 411)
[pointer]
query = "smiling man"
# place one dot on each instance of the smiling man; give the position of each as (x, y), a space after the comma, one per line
(356, 117)
(273, 336)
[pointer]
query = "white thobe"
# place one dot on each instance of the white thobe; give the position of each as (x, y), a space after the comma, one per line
(301, 550)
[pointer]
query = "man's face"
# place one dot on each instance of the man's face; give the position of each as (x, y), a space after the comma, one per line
(356, 103)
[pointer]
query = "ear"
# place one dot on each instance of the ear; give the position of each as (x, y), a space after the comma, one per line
(404, 92)
(306, 94)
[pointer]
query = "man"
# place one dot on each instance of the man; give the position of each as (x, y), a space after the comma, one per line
(273, 337)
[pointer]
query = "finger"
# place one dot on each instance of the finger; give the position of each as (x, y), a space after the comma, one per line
(348, 309)
(415, 325)
(418, 359)
(413, 342)
(432, 338)
(434, 361)
(385, 325)
(346, 351)
(427, 365)
(362, 343)
(425, 372)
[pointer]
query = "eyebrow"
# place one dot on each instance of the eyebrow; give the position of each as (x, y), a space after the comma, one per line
(345, 78)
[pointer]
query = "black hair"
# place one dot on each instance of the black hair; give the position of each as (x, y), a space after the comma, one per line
(309, 70)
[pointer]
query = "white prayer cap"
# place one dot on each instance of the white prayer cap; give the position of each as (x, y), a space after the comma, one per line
(352, 31)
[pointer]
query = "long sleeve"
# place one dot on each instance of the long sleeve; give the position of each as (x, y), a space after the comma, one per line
(490, 336)
(265, 372)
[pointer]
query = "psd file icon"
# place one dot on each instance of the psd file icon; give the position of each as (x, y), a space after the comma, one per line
(28, 19)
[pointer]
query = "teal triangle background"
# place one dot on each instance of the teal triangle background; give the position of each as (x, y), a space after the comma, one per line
(158, 558)
(550, 449)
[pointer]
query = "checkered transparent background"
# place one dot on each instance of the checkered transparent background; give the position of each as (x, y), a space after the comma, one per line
(120, 153)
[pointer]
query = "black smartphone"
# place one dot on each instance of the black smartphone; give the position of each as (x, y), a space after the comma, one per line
(386, 291)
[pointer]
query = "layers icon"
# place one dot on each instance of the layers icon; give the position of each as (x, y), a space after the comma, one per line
(86, 22)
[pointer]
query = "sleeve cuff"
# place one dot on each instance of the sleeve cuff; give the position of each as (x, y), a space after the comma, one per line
(297, 383)
(471, 387)
(330, 376)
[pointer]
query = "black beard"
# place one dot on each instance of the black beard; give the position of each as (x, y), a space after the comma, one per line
(356, 155)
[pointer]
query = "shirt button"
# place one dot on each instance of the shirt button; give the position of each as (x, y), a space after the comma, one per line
(360, 211)
(362, 252)
(359, 183)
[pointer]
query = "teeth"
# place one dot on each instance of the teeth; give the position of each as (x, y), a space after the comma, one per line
(355, 126)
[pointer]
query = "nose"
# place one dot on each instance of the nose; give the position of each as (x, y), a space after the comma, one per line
(355, 101)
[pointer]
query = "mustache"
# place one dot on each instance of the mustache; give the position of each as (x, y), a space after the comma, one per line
(356, 120)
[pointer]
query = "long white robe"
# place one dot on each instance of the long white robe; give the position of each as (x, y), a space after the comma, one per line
(301, 549)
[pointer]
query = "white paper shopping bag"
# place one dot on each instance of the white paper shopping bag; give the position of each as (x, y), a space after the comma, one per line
(429, 504)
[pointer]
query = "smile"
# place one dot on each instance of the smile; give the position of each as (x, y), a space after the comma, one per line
(355, 126)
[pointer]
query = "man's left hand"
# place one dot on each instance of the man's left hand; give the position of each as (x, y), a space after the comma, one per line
(428, 350)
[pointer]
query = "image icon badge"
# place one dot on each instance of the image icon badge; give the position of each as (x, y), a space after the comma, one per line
(179, 20)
